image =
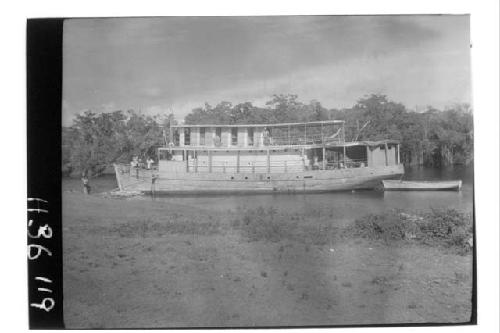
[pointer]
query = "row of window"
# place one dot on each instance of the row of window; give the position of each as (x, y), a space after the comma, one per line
(218, 136)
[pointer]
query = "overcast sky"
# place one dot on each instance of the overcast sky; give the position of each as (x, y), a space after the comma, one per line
(158, 65)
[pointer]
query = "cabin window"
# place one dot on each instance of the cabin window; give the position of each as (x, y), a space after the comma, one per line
(202, 136)
(234, 136)
(165, 155)
(268, 139)
(176, 137)
(187, 136)
(250, 136)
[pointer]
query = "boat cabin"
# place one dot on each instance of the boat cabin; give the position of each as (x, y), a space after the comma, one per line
(270, 148)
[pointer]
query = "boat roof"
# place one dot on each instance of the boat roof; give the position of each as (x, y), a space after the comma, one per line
(323, 122)
(285, 147)
(368, 143)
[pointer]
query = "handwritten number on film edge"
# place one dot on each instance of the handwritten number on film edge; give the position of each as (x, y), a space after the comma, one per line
(45, 231)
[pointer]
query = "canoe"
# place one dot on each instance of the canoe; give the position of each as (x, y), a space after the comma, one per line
(417, 185)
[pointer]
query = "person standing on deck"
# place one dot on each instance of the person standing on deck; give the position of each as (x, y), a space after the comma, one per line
(217, 141)
(315, 164)
(135, 162)
(267, 137)
(149, 163)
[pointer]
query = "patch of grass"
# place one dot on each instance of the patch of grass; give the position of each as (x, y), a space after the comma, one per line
(261, 224)
(273, 226)
(448, 228)
(148, 228)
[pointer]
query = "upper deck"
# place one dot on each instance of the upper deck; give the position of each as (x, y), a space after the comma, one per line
(251, 136)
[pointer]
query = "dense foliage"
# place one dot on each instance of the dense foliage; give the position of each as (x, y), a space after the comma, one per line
(95, 141)
(433, 137)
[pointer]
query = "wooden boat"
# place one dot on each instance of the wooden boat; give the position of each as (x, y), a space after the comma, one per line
(409, 185)
(264, 158)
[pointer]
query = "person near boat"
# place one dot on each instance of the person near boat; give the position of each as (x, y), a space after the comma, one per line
(153, 181)
(85, 183)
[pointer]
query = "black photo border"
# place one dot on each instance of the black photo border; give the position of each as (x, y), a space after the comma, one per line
(44, 96)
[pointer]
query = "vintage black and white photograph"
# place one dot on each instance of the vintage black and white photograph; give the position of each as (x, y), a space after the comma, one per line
(267, 171)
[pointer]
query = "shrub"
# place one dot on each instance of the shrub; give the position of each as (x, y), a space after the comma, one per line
(448, 228)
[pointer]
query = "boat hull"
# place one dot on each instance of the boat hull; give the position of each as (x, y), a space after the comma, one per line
(298, 182)
(396, 185)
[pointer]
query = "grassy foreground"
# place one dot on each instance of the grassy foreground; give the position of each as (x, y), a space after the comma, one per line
(142, 263)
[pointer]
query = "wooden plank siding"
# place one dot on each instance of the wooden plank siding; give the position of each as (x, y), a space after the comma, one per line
(247, 161)
(310, 181)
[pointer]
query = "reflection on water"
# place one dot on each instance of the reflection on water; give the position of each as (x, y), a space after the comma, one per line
(349, 205)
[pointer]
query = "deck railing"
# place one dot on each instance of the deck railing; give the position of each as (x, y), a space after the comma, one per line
(284, 134)
(348, 163)
(294, 141)
(274, 166)
(250, 167)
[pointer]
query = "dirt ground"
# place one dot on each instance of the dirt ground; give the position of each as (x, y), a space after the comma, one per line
(132, 263)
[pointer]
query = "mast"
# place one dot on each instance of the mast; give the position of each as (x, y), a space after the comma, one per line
(171, 133)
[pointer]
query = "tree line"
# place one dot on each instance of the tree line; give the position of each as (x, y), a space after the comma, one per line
(97, 140)
(432, 137)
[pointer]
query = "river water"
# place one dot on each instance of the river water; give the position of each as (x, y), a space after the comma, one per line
(350, 205)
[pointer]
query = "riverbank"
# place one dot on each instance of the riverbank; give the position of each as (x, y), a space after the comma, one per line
(144, 263)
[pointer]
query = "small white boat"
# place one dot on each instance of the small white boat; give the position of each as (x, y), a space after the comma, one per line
(417, 185)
